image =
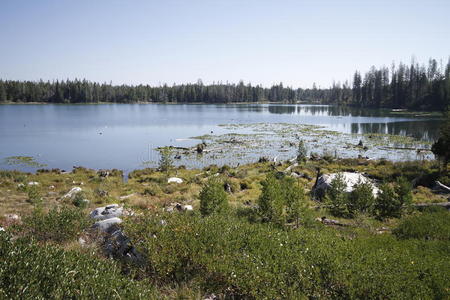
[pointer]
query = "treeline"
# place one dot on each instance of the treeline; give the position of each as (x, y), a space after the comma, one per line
(406, 86)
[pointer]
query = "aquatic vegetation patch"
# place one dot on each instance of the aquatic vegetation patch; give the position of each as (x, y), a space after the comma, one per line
(25, 161)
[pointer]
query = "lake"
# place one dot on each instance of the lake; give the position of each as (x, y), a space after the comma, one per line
(124, 136)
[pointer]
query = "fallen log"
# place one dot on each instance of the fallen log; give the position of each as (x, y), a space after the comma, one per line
(442, 186)
(441, 204)
(404, 148)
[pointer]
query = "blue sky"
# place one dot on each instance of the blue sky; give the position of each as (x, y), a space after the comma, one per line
(262, 42)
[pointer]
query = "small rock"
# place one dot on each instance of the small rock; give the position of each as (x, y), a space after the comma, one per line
(187, 207)
(12, 217)
(103, 173)
(2, 229)
(127, 196)
(82, 241)
(52, 187)
(33, 183)
(175, 180)
(102, 193)
(227, 188)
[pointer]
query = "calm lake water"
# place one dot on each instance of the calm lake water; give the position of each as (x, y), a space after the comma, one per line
(123, 136)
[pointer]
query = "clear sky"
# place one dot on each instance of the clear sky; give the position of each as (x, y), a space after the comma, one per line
(260, 41)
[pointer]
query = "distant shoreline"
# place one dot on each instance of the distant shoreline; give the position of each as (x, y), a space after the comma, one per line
(394, 112)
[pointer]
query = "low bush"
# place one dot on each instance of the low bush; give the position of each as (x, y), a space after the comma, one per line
(31, 271)
(429, 225)
(237, 259)
(393, 199)
(34, 194)
(337, 197)
(58, 225)
(80, 200)
(213, 198)
(361, 198)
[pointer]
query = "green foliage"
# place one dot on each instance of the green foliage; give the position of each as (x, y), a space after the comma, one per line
(271, 201)
(387, 203)
(403, 189)
(31, 271)
(34, 194)
(392, 200)
(302, 152)
(421, 88)
(58, 225)
(337, 197)
(361, 198)
(213, 198)
(441, 148)
(427, 226)
(282, 199)
(295, 201)
(237, 259)
(166, 161)
(79, 200)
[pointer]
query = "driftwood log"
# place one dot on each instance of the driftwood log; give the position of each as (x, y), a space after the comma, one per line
(442, 187)
(441, 204)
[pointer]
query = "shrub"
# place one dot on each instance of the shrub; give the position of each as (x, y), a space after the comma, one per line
(242, 260)
(31, 271)
(58, 225)
(34, 194)
(79, 200)
(271, 201)
(387, 204)
(361, 198)
(282, 199)
(166, 161)
(295, 199)
(213, 198)
(302, 152)
(428, 226)
(403, 189)
(337, 197)
(392, 200)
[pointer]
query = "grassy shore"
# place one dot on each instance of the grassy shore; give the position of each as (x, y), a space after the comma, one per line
(233, 254)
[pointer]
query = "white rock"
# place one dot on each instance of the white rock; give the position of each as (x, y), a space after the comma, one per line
(188, 207)
(107, 212)
(33, 183)
(12, 217)
(72, 192)
(127, 196)
(51, 187)
(104, 225)
(175, 180)
(350, 179)
(2, 229)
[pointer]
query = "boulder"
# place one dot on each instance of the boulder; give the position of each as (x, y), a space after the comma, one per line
(107, 212)
(324, 183)
(106, 225)
(175, 180)
(75, 190)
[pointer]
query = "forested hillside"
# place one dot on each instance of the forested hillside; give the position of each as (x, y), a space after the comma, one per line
(404, 86)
